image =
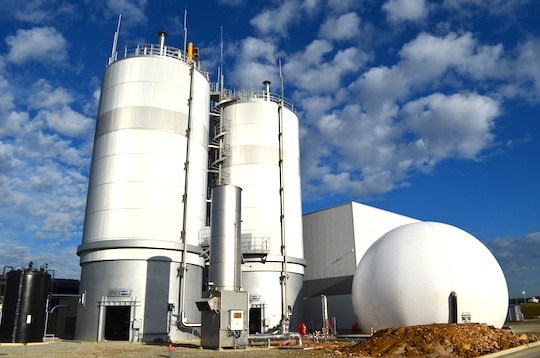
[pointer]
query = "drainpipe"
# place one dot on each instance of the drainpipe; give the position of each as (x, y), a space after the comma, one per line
(284, 272)
(182, 322)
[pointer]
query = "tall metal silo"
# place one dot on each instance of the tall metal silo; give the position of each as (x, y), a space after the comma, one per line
(255, 146)
(140, 257)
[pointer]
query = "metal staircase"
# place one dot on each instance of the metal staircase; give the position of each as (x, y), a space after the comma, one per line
(218, 149)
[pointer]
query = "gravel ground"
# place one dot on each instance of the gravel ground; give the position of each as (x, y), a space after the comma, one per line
(66, 348)
(60, 349)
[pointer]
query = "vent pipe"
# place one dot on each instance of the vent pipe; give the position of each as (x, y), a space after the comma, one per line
(162, 35)
(267, 85)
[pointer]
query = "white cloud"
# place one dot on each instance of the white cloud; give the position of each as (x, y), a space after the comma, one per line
(310, 70)
(41, 146)
(277, 20)
(7, 160)
(311, 6)
(344, 27)
(519, 258)
(14, 255)
(21, 254)
(43, 11)
(11, 120)
(46, 199)
(385, 132)
(401, 10)
(527, 67)
(342, 6)
(53, 106)
(436, 57)
(134, 12)
(67, 122)
(257, 49)
(495, 7)
(368, 154)
(257, 62)
(486, 62)
(457, 125)
(314, 52)
(44, 96)
(314, 106)
(92, 107)
(379, 87)
(42, 170)
(37, 44)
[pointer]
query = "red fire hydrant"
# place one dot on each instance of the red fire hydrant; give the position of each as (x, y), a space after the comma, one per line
(302, 329)
(354, 329)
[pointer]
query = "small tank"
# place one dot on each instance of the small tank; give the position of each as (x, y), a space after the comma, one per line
(25, 301)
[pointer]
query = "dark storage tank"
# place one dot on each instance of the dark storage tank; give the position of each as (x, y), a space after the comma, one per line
(25, 301)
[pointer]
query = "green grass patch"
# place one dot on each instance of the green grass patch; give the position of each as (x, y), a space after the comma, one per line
(530, 310)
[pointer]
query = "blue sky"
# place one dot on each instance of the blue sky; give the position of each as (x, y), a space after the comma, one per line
(425, 108)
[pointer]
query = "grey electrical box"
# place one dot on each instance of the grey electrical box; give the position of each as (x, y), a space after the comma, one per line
(225, 327)
(236, 320)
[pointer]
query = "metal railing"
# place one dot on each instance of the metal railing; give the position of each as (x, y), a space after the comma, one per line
(222, 179)
(149, 50)
(204, 237)
(250, 94)
(248, 243)
(153, 50)
(255, 245)
(219, 154)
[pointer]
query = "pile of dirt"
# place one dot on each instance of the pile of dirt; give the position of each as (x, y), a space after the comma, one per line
(434, 340)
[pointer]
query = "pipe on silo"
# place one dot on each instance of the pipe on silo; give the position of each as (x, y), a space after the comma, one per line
(162, 35)
(225, 231)
(183, 318)
(267, 86)
(190, 52)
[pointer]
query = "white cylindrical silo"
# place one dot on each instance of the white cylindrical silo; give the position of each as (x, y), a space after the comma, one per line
(264, 160)
(152, 129)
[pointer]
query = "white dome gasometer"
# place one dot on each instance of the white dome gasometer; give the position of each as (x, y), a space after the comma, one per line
(428, 272)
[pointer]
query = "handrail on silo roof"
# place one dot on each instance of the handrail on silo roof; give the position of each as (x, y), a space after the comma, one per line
(149, 50)
(247, 95)
(152, 50)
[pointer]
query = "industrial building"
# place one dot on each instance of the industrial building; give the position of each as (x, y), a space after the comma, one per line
(193, 225)
(165, 137)
(146, 197)
(335, 239)
(255, 146)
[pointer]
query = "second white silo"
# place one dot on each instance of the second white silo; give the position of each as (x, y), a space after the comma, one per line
(146, 198)
(263, 158)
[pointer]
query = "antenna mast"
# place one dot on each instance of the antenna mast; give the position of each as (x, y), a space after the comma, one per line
(220, 78)
(185, 29)
(115, 40)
